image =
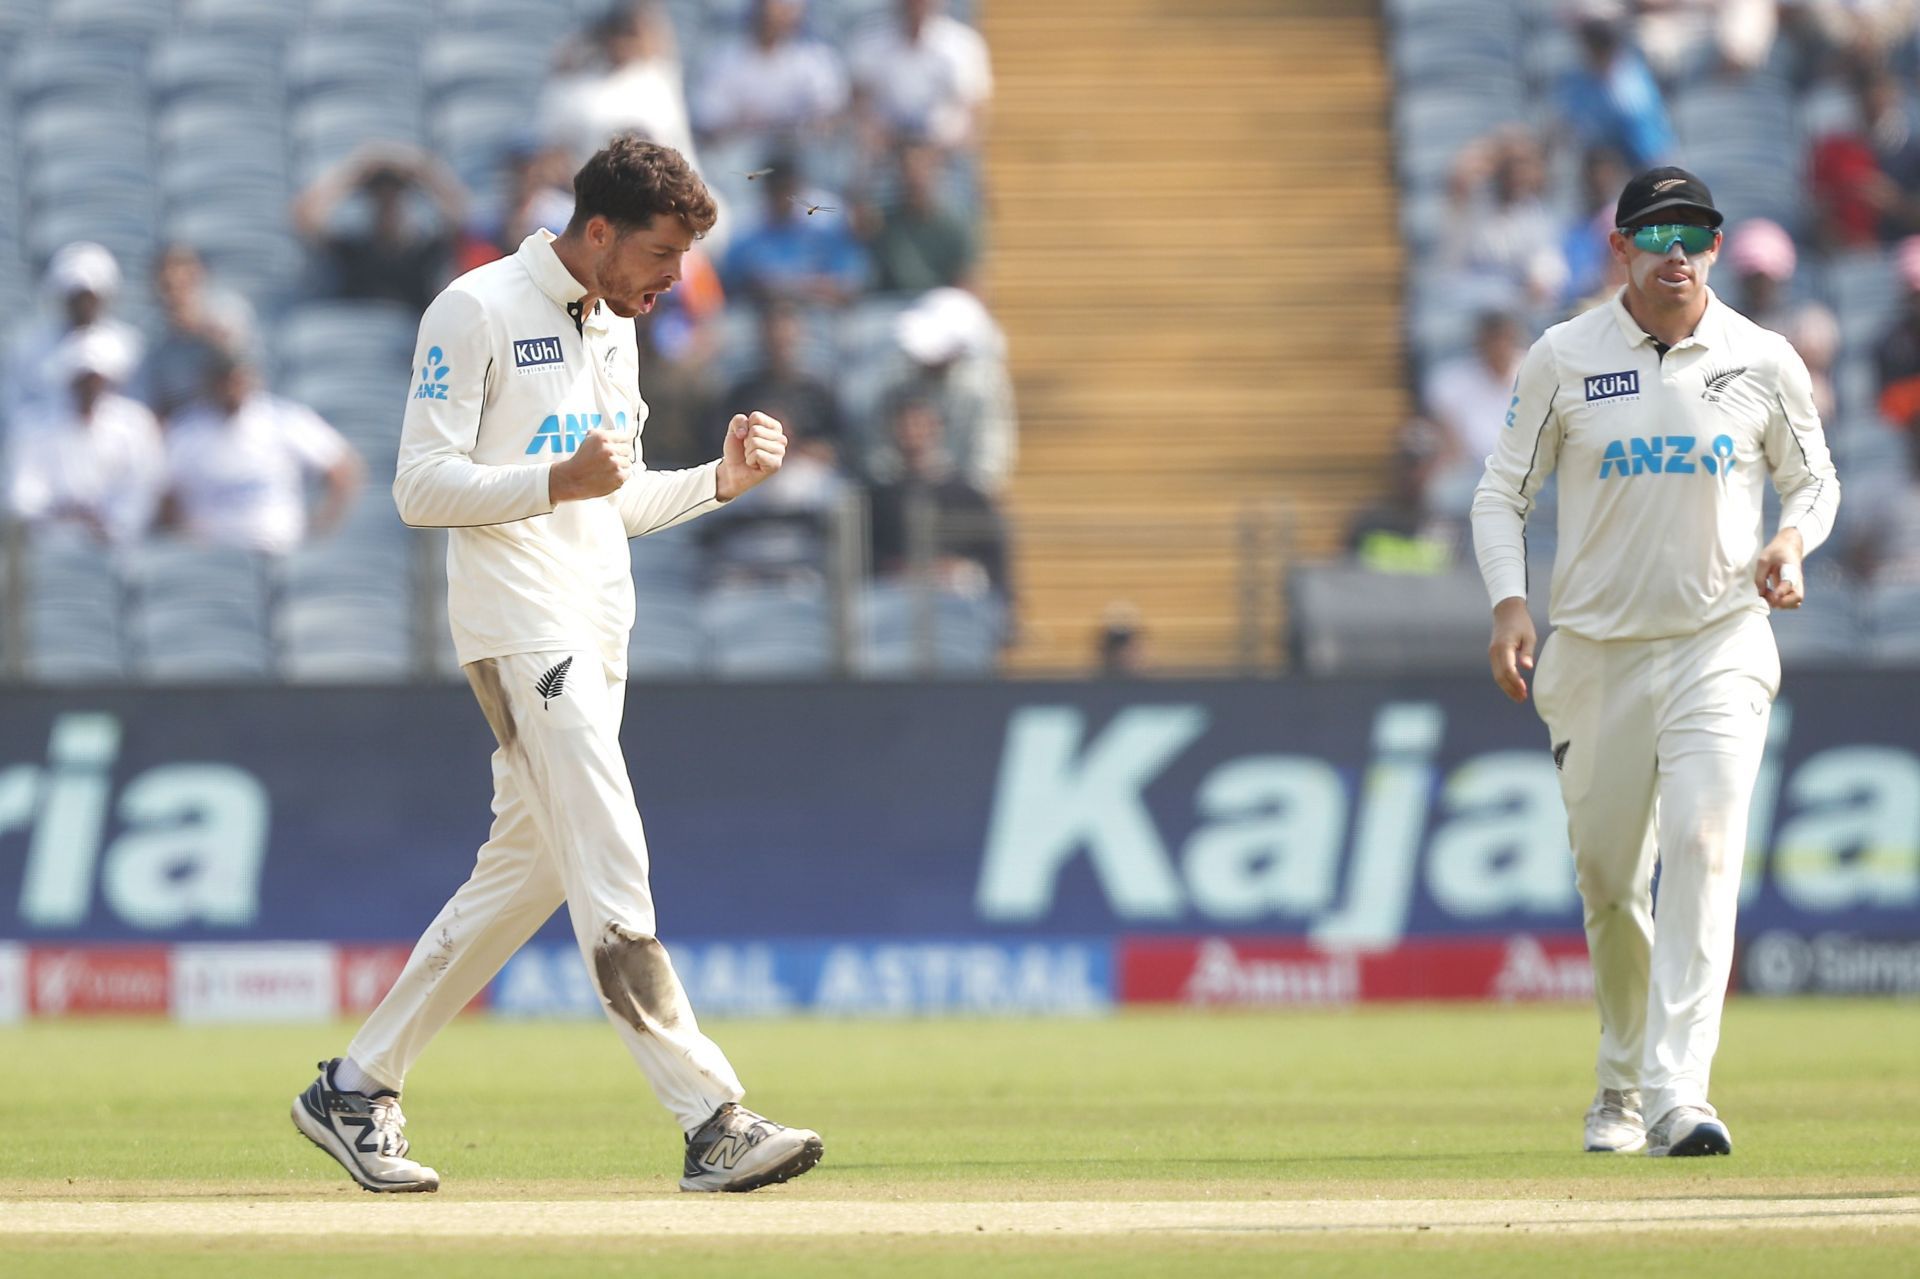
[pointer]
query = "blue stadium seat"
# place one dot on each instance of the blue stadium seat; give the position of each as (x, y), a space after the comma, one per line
(768, 631)
(198, 613)
(1893, 623)
(907, 631)
(1350, 620)
(236, 17)
(75, 614)
(666, 638)
(110, 17)
(77, 69)
(1865, 292)
(236, 72)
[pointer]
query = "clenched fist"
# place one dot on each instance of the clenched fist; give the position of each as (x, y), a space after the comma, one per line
(598, 467)
(756, 446)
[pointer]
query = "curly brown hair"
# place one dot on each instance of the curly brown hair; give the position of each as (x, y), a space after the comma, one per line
(631, 181)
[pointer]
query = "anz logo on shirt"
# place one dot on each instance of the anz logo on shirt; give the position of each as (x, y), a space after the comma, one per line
(563, 434)
(1666, 455)
(433, 377)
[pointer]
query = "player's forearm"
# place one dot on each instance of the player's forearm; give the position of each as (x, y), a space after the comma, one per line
(654, 500)
(1499, 541)
(1810, 510)
(445, 491)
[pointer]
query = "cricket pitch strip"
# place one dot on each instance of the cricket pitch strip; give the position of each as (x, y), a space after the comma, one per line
(774, 1216)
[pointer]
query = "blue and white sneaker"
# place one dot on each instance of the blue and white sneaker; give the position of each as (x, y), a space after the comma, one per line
(737, 1150)
(1689, 1130)
(1615, 1125)
(364, 1132)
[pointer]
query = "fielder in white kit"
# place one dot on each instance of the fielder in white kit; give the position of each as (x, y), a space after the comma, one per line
(522, 436)
(1665, 413)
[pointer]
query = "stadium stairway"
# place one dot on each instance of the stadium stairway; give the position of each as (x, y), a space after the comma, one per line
(1192, 216)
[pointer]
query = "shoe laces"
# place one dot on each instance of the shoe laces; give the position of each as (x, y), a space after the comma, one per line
(1621, 1104)
(388, 1122)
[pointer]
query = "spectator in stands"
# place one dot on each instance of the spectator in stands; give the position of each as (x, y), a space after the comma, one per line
(1583, 243)
(1400, 533)
(780, 386)
(955, 357)
(82, 279)
(1120, 645)
(926, 76)
(623, 77)
(200, 321)
(771, 85)
(93, 468)
(1763, 258)
(1898, 357)
(794, 254)
(922, 241)
(1611, 98)
(1468, 397)
(1689, 38)
(1503, 237)
(965, 536)
(363, 221)
(780, 532)
(538, 193)
(1865, 178)
(238, 463)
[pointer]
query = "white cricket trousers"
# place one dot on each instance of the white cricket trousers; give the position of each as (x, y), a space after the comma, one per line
(1659, 743)
(565, 828)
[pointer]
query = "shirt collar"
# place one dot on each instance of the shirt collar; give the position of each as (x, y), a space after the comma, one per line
(543, 264)
(1710, 332)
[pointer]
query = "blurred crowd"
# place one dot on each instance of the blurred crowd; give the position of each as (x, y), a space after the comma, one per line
(1526, 208)
(849, 184)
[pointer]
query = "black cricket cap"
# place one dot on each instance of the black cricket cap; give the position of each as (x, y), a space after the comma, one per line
(1661, 189)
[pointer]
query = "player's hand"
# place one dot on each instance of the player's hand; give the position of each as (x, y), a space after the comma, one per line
(756, 447)
(1778, 574)
(1511, 651)
(598, 467)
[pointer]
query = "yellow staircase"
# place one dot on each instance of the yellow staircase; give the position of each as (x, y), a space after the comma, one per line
(1194, 254)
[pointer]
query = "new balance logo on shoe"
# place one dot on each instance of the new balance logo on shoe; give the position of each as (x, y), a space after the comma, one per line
(726, 1152)
(366, 1142)
(1560, 755)
(554, 682)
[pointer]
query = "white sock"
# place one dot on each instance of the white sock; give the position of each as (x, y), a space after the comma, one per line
(348, 1077)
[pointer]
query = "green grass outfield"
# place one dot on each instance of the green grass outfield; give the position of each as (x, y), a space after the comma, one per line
(948, 1135)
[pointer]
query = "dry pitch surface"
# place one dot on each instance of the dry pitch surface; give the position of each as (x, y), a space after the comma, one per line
(1420, 1141)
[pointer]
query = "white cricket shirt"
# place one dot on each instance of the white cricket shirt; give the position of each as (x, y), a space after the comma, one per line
(506, 382)
(1662, 464)
(241, 480)
(110, 469)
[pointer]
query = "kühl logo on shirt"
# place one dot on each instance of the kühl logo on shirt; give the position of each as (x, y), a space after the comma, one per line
(1613, 386)
(537, 353)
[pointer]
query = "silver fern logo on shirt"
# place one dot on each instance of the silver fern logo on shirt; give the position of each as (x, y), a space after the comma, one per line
(1614, 386)
(1717, 383)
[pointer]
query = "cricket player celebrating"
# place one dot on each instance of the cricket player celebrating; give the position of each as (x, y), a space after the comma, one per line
(522, 436)
(1665, 412)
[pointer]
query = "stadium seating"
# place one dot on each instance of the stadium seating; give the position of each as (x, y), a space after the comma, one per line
(141, 122)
